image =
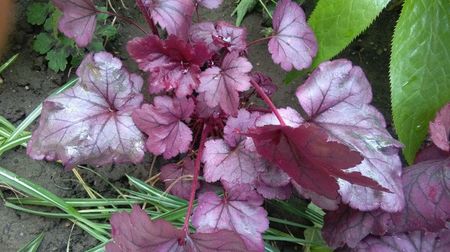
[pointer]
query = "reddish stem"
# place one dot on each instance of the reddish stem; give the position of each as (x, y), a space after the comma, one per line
(258, 109)
(269, 102)
(195, 179)
(257, 41)
(148, 18)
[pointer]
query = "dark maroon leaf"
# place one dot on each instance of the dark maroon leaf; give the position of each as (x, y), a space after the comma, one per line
(173, 64)
(426, 187)
(293, 44)
(173, 15)
(265, 82)
(210, 4)
(162, 122)
(219, 35)
(237, 165)
(309, 158)
(408, 242)
(221, 85)
(136, 232)
(245, 217)
(319, 200)
(440, 128)
(78, 20)
(431, 152)
(91, 123)
(178, 178)
(336, 97)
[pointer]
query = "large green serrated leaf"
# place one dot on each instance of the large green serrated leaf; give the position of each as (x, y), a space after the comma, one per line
(336, 23)
(419, 69)
(241, 10)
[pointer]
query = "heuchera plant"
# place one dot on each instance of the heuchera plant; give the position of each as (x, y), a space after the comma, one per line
(335, 150)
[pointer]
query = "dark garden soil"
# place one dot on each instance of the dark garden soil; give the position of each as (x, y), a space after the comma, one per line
(28, 81)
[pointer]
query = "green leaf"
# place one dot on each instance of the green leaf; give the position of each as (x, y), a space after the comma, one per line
(96, 45)
(241, 10)
(313, 237)
(108, 31)
(33, 245)
(37, 13)
(51, 24)
(102, 16)
(43, 43)
(57, 59)
(419, 69)
(336, 23)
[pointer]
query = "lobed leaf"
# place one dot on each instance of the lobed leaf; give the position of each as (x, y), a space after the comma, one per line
(419, 71)
(219, 35)
(162, 122)
(78, 20)
(91, 123)
(173, 176)
(293, 44)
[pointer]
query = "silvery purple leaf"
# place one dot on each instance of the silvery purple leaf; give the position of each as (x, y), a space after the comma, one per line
(91, 122)
(293, 44)
(78, 20)
(236, 127)
(178, 178)
(210, 4)
(162, 122)
(440, 128)
(219, 35)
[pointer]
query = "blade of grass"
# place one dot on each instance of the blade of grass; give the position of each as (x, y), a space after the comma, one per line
(37, 191)
(78, 203)
(33, 245)
(8, 63)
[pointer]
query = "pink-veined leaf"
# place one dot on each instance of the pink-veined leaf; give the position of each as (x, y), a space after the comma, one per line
(162, 122)
(236, 127)
(173, 64)
(178, 178)
(173, 15)
(237, 165)
(78, 20)
(309, 158)
(425, 186)
(136, 232)
(440, 128)
(210, 4)
(219, 35)
(407, 242)
(91, 122)
(336, 97)
(245, 217)
(293, 44)
(221, 85)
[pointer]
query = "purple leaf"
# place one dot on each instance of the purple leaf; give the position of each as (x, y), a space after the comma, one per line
(265, 82)
(336, 97)
(136, 232)
(162, 122)
(174, 178)
(427, 208)
(320, 200)
(273, 192)
(306, 154)
(293, 44)
(78, 20)
(202, 110)
(173, 15)
(221, 85)
(247, 218)
(237, 165)
(210, 4)
(91, 123)
(431, 152)
(219, 35)
(440, 128)
(408, 242)
(173, 63)
(236, 127)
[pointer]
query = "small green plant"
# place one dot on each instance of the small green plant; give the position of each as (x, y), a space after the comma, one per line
(60, 51)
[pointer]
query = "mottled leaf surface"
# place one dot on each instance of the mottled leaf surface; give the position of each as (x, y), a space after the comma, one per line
(162, 122)
(173, 15)
(419, 69)
(136, 232)
(293, 44)
(91, 122)
(219, 35)
(178, 178)
(245, 217)
(440, 129)
(78, 20)
(221, 85)
(173, 64)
